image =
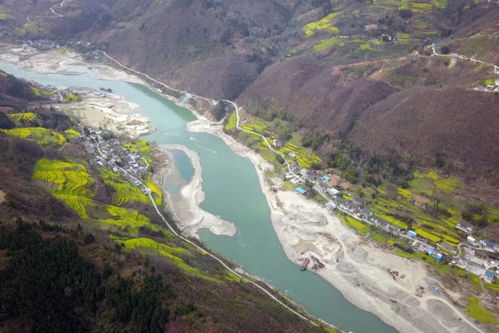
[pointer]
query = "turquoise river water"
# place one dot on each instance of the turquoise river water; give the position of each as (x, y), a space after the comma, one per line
(232, 192)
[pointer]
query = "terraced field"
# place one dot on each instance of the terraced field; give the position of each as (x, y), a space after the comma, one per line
(172, 253)
(22, 117)
(419, 18)
(124, 192)
(72, 183)
(39, 135)
(303, 156)
(128, 220)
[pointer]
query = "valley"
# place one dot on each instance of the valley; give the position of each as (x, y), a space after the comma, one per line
(357, 140)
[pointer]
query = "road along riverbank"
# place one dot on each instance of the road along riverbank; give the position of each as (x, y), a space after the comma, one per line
(357, 269)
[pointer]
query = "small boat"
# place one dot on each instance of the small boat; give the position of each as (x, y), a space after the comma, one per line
(305, 263)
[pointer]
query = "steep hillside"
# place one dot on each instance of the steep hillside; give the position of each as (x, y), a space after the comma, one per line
(453, 122)
(82, 246)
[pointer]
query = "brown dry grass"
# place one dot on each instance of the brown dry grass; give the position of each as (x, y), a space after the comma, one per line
(2, 196)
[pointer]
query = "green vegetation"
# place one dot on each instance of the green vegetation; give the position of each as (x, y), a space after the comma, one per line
(32, 290)
(39, 92)
(231, 122)
(20, 118)
(329, 43)
(291, 142)
(323, 24)
(157, 192)
(356, 224)
(166, 251)
(72, 183)
(233, 278)
(382, 238)
(138, 147)
(488, 82)
(304, 157)
(3, 16)
(71, 134)
(49, 278)
(70, 98)
(129, 220)
(39, 135)
(428, 235)
(124, 192)
(479, 313)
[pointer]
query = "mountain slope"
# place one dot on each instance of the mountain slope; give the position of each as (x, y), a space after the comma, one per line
(78, 241)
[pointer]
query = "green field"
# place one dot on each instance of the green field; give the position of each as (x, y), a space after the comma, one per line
(304, 157)
(22, 117)
(231, 122)
(138, 147)
(328, 43)
(165, 251)
(124, 191)
(70, 98)
(39, 92)
(356, 224)
(72, 183)
(479, 313)
(39, 135)
(156, 191)
(128, 220)
(71, 134)
(324, 24)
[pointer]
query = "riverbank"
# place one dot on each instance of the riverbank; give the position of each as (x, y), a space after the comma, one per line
(189, 216)
(99, 109)
(358, 270)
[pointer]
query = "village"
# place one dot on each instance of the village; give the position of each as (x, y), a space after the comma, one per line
(108, 152)
(479, 257)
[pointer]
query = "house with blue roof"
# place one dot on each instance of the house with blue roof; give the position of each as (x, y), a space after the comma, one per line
(301, 190)
(437, 255)
(489, 276)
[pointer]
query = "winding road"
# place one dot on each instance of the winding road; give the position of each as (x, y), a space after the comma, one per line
(220, 261)
(236, 110)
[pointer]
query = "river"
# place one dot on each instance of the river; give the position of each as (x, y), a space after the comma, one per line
(232, 192)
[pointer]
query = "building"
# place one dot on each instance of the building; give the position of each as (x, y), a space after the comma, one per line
(449, 248)
(490, 246)
(438, 255)
(489, 276)
(471, 240)
(301, 190)
(332, 192)
(330, 205)
(412, 233)
(465, 227)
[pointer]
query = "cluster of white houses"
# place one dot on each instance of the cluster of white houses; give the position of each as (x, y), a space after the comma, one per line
(112, 155)
(484, 267)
